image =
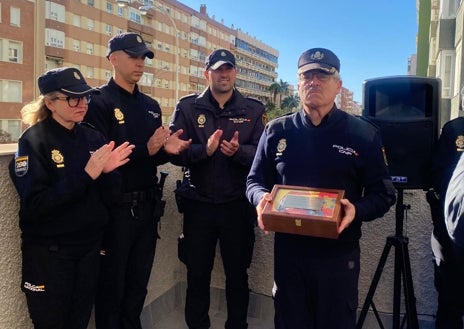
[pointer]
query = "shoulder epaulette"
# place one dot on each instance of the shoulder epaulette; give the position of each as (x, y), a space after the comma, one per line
(366, 119)
(254, 99)
(188, 96)
(87, 124)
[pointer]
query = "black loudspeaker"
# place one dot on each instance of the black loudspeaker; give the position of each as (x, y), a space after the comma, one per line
(405, 108)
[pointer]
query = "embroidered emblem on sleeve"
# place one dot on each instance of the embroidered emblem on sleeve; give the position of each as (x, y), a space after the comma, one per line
(21, 165)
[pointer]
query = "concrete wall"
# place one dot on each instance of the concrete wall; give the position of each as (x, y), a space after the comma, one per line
(168, 272)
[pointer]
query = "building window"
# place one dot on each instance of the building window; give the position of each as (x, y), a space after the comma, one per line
(90, 24)
(109, 29)
(91, 2)
(15, 16)
(54, 38)
(109, 7)
(448, 9)
(54, 11)
(15, 52)
(135, 16)
(76, 45)
(107, 74)
(77, 20)
(120, 11)
(90, 72)
(90, 48)
(10, 130)
(11, 91)
(445, 71)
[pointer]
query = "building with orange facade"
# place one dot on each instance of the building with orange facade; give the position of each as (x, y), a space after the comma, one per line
(40, 35)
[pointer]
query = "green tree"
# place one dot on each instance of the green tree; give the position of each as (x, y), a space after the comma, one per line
(290, 102)
(274, 88)
(278, 88)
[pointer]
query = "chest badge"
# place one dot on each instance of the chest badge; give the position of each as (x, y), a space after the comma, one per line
(58, 158)
(201, 120)
(119, 116)
(281, 146)
(460, 143)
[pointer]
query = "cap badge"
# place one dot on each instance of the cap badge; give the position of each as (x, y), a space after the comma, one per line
(58, 158)
(223, 54)
(77, 76)
(139, 39)
(317, 56)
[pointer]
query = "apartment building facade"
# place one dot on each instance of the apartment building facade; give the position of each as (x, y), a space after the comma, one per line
(439, 51)
(40, 35)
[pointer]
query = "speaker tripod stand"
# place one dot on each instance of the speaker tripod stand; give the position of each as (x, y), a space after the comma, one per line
(402, 273)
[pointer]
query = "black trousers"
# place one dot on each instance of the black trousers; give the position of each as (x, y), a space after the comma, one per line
(59, 283)
(232, 224)
(316, 284)
(450, 288)
(129, 246)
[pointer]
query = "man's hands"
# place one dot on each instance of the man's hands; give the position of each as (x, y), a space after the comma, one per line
(349, 211)
(228, 148)
(107, 158)
(157, 140)
(267, 197)
(174, 145)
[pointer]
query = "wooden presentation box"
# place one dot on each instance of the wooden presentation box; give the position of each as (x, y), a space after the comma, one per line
(303, 210)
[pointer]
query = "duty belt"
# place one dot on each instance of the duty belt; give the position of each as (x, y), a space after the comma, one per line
(139, 196)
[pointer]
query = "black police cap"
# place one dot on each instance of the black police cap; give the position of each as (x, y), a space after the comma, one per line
(67, 80)
(318, 59)
(219, 57)
(131, 43)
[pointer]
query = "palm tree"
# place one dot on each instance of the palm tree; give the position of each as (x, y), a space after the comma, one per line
(278, 88)
(284, 88)
(290, 102)
(274, 88)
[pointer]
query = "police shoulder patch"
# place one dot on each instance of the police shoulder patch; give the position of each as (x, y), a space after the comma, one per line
(21, 165)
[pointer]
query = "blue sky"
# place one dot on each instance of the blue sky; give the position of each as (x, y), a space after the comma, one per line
(372, 38)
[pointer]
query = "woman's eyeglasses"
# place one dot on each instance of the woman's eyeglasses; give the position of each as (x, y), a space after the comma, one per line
(74, 101)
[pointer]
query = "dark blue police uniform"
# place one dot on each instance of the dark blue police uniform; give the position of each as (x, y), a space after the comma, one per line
(448, 277)
(317, 278)
(130, 242)
(215, 206)
(63, 212)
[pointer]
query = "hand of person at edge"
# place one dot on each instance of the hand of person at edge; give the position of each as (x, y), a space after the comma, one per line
(348, 211)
